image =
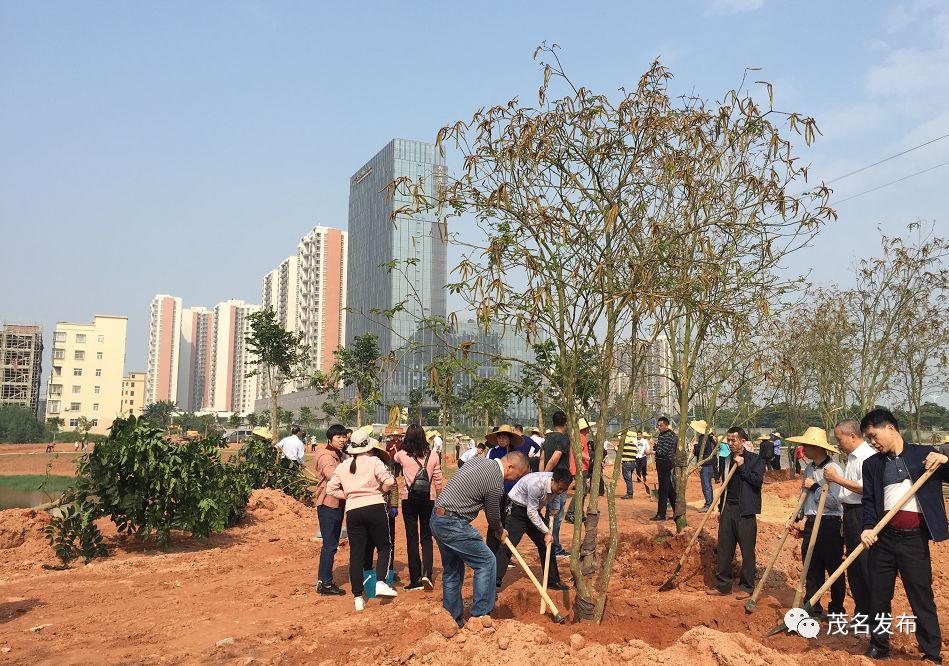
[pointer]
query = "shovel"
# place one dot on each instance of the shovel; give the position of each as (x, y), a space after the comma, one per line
(860, 548)
(670, 582)
(752, 603)
(799, 591)
(558, 618)
(543, 603)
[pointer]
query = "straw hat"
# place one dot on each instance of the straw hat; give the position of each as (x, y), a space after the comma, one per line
(945, 440)
(536, 431)
(262, 432)
(432, 434)
(815, 437)
(505, 429)
(359, 436)
(701, 427)
(764, 438)
(582, 425)
(777, 434)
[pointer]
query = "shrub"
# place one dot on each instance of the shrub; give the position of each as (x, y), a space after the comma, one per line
(265, 467)
(19, 425)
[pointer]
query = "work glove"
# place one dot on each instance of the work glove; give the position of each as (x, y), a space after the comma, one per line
(394, 511)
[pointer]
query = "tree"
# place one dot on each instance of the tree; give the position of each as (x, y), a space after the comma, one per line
(252, 420)
(416, 398)
(160, 413)
(443, 374)
(487, 398)
(884, 301)
(359, 366)
(19, 425)
(280, 355)
(234, 421)
(597, 212)
(307, 418)
(83, 426)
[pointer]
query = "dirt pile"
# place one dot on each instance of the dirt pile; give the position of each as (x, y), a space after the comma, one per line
(22, 540)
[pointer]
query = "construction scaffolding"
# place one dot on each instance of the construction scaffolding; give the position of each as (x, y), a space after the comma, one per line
(21, 360)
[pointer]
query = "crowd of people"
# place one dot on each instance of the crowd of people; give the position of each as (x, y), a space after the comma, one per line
(520, 482)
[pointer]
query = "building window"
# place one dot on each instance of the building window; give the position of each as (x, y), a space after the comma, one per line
(73, 423)
(52, 407)
(59, 336)
(98, 372)
(131, 392)
(57, 371)
(75, 406)
(101, 338)
(94, 423)
(59, 354)
(77, 372)
(95, 406)
(76, 389)
(80, 337)
(98, 356)
(79, 355)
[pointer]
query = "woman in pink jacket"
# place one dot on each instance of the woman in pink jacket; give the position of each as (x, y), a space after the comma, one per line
(363, 482)
(414, 456)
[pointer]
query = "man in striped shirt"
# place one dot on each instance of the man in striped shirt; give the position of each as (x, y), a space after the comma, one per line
(903, 545)
(476, 486)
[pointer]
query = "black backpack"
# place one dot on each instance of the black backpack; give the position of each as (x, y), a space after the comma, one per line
(421, 488)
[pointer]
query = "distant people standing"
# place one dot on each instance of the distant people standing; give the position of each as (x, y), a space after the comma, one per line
(705, 452)
(329, 509)
(776, 459)
(292, 446)
(723, 453)
(363, 483)
(538, 438)
(642, 455)
(628, 458)
(422, 481)
(666, 445)
(765, 450)
(555, 454)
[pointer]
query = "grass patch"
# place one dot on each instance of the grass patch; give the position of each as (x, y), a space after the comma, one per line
(32, 482)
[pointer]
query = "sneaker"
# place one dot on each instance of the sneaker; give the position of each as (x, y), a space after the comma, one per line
(329, 589)
(427, 584)
(563, 555)
(383, 590)
(359, 604)
(413, 587)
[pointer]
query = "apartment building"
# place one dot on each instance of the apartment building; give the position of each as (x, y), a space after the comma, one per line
(164, 331)
(86, 375)
(133, 394)
(21, 365)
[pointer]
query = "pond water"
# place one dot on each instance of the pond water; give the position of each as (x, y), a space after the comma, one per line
(11, 498)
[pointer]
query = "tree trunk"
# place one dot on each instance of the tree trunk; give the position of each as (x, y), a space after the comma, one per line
(274, 428)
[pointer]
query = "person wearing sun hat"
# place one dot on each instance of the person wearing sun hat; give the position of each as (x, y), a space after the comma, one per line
(262, 433)
(765, 449)
(704, 451)
(363, 482)
(829, 547)
(776, 442)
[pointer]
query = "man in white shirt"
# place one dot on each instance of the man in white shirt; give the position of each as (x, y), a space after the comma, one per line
(851, 441)
(292, 446)
(473, 452)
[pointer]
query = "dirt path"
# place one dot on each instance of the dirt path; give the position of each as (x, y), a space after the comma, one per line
(250, 590)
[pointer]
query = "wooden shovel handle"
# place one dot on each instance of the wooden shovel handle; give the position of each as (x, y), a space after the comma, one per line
(705, 516)
(777, 551)
(530, 574)
(876, 530)
(550, 528)
(799, 591)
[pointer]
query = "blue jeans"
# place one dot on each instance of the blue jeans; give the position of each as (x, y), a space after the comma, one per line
(331, 523)
(706, 473)
(555, 508)
(461, 544)
(628, 468)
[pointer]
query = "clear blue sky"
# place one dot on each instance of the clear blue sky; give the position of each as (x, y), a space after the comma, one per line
(183, 147)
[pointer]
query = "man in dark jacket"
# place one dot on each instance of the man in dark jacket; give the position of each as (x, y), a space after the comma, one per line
(666, 444)
(903, 545)
(739, 505)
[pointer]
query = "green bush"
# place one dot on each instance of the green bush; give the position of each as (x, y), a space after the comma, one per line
(265, 467)
(148, 487)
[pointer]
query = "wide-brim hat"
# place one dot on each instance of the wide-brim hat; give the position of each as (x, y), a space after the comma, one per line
(505, 429)
(370, 444)
(777, 434)
(814, 436)
(359, 436)
(262, 432)
(764, 438)
(536, 431)
(432, 434)
(700, 426)
(582, 424)
(945, 440)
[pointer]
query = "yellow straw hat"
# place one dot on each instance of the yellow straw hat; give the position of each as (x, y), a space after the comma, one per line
(764, 438)
(262, 432)
(505, 429)
(701, 427)
(582, 425)
(814, 437)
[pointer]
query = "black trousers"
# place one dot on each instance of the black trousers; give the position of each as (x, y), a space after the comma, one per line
(905, 552)
(776, 462)
(371, 549)
(641, 468)
(517, 525)
(720, 469)
(667, 495)
(858, 575)
(827, 556)
(735, 529)
(417, 516)
(368, 528)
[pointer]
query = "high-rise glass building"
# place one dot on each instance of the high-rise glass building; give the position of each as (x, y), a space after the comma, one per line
(377, 237)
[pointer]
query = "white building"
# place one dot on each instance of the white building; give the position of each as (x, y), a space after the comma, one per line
(164, 326)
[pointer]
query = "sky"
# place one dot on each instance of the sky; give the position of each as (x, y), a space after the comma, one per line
(184, 148)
